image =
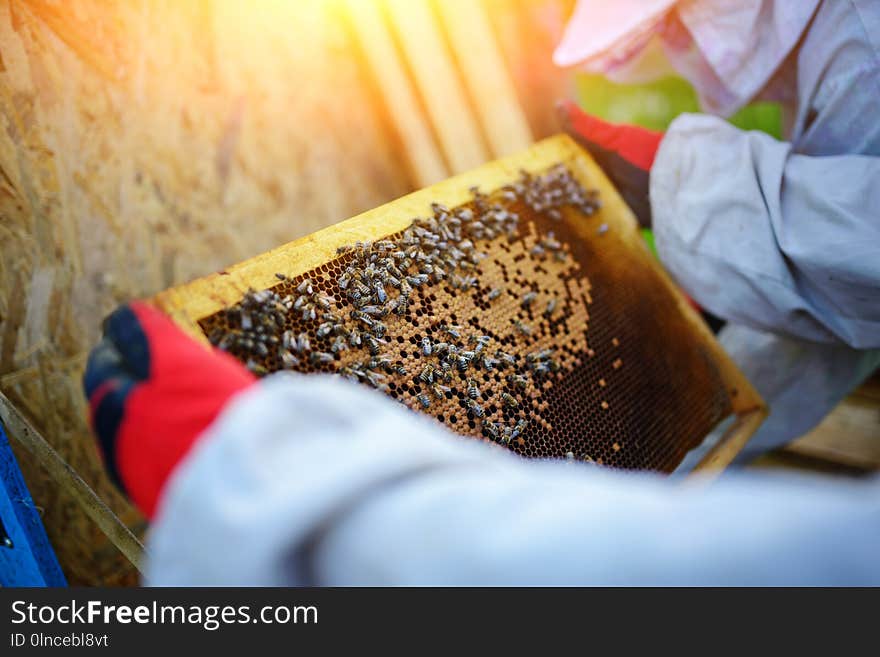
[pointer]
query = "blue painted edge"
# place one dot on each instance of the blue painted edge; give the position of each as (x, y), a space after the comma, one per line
(30, 560)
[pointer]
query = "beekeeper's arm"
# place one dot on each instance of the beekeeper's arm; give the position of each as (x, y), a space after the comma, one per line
(757, 234)
(314, 480)
(769, 238)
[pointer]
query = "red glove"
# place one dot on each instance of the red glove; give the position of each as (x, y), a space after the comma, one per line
(625, 152)
(152, 390)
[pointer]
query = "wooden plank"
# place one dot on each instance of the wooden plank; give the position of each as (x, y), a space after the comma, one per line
(22, 430)
(488, 81)
(849, 435)
(438, 84)
(189, 303)
(420, 150)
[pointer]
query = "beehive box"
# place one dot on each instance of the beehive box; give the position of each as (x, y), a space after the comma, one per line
(515, 303)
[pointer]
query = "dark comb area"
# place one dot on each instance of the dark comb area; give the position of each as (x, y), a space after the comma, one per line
(515, 318)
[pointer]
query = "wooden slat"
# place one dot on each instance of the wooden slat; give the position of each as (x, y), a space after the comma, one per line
(488, 81)
(66, 477)
(438, 84)
(849, 435)
(420, 150)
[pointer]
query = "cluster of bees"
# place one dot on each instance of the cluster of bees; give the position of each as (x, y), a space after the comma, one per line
(374, 291)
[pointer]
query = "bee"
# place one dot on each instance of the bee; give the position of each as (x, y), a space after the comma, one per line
(424, 400)
(440, 390)
(373, 344)
(261, 349)
(489, 363)
(518, 380)
(509, 400)
(302, 343)
(453, 331)
(321, 357)
(472, 390)
(339, 344)
(494, 294)
(349, 373)
(305, 287)
(382, 361)
(359, 315)
(378, 329)
(506, 358)
(536, 356)
(528, 299)
(481, 341)
(427, 348)
(246, 322)
(256, 368)
(354, 338)
(375, 311)
(381, 295)
(343, 249)
(361, 289)
(475, 408)
(288, 360)
(551, 307)
(537, 250)
(560, 256)
(400, 369)
(462, 363)
(441, 348)
(325, 329)
(402, 305)
(324, 301)
(492, 429)
(374, 379)
(540, 368)
(287, 340)
(280, 277)
(308, 313)
(554, 214)
(519, 429)
(427, 374)
(523, 328)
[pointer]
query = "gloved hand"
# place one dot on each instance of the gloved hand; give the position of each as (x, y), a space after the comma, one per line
(624, 152)
(152, 390)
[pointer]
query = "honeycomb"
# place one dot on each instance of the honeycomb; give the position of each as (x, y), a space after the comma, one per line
(499, 320)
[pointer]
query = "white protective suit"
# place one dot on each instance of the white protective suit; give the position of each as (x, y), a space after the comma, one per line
(781, 238)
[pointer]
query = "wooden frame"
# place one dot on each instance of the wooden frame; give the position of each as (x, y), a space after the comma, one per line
(189, 303)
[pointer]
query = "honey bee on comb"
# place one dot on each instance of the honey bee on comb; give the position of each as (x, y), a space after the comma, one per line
(477, 315)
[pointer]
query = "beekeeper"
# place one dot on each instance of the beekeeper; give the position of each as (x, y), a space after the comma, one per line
(312, 480)
(780, 238)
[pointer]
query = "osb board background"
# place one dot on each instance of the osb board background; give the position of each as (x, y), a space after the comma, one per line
(147, 143)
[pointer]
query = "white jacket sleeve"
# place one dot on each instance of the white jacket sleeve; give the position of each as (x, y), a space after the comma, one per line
(313, 480)
(768, 238)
